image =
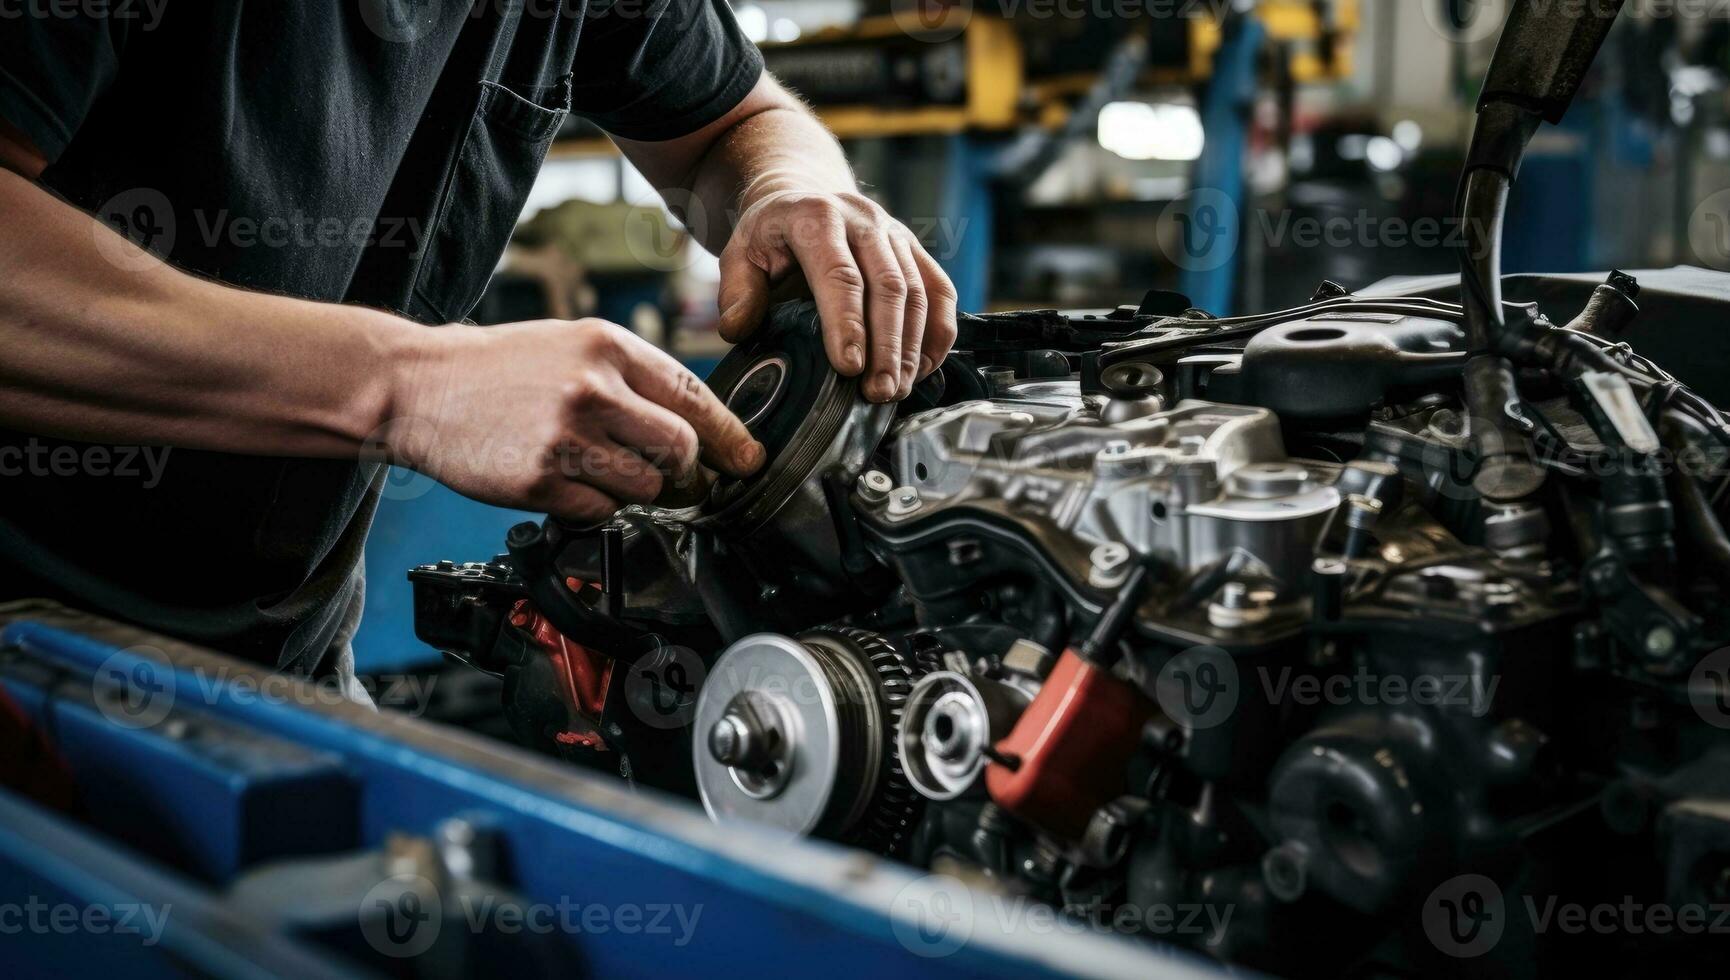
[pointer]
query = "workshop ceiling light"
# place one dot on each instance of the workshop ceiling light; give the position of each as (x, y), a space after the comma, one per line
(1143, 131)
(1383, 154)
(754, 21)
(1409, 135)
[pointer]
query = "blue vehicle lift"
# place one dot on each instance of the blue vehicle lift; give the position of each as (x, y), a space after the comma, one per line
(245, 824)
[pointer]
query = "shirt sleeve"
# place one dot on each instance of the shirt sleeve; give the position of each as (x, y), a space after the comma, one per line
(52, 70)
(659, 69)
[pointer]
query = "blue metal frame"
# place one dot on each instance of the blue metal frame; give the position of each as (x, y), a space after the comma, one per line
(968, 218)
(229, 774)
(1219, 192)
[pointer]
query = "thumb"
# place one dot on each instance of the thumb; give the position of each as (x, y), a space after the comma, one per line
(743, 297)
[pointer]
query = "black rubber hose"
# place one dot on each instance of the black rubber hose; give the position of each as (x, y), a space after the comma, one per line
(1506, 471)
(1701, 530)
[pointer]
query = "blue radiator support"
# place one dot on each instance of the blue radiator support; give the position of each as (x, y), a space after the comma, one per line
(246, 824)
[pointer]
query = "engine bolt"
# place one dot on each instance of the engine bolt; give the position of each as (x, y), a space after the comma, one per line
(1239, 605)
(905, 501)
(740, 740)
(1660, 642)
(874, 486)
(1110, 565)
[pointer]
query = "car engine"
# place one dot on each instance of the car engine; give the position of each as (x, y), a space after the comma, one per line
(1149, 607)
(1351, 623)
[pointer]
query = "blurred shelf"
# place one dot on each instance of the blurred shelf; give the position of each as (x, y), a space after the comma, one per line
(988, 88)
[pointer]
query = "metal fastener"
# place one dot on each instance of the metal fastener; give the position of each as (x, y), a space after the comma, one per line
(1110, 565)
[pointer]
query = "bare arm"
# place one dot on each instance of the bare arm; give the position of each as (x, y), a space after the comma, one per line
(767, 187)
(105, 342)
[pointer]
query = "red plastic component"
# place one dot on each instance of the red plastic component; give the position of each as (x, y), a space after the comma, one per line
(29, 765)
(583, 673)
(1073, 744)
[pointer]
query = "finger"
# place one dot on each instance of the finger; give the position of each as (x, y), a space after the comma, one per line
(610, 468)
(885, 307)
(575, 503)
(744, 292)
(940, 324)
(724, 441)
(913, 318)
(664, 439)
(819, 244)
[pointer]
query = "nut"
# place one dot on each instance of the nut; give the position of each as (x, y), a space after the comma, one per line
(874, 486)
(1110, 565)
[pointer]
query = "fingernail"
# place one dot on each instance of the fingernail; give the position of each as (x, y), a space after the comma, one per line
(881, 387)
(853, 359)
(926, 365)
(728, 313)
(751, 456)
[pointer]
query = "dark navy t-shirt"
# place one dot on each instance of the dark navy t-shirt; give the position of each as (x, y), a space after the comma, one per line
(368, 151)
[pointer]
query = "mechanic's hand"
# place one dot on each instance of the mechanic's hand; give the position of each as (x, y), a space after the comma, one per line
(886, 305)
(574, 418)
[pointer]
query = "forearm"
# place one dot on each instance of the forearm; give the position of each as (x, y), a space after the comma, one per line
(769, 143)
(784, 148)
(106, 343)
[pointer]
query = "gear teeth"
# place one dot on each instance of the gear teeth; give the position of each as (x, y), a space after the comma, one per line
(894, 806)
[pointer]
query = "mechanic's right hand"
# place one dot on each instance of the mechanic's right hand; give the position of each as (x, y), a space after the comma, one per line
(573, 418)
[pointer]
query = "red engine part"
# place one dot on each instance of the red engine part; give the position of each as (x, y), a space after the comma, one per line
(583, 674)
(29, 765)
(1070, 748)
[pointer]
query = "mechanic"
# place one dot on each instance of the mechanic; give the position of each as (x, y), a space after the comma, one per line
(323, 180)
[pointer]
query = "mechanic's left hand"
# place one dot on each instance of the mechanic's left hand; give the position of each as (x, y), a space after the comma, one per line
(886, 305)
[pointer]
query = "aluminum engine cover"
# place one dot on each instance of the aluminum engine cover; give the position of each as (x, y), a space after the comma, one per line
(1185, 486)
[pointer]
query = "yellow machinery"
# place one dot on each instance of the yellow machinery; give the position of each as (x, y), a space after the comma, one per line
(1003, 87)
(976, 74)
